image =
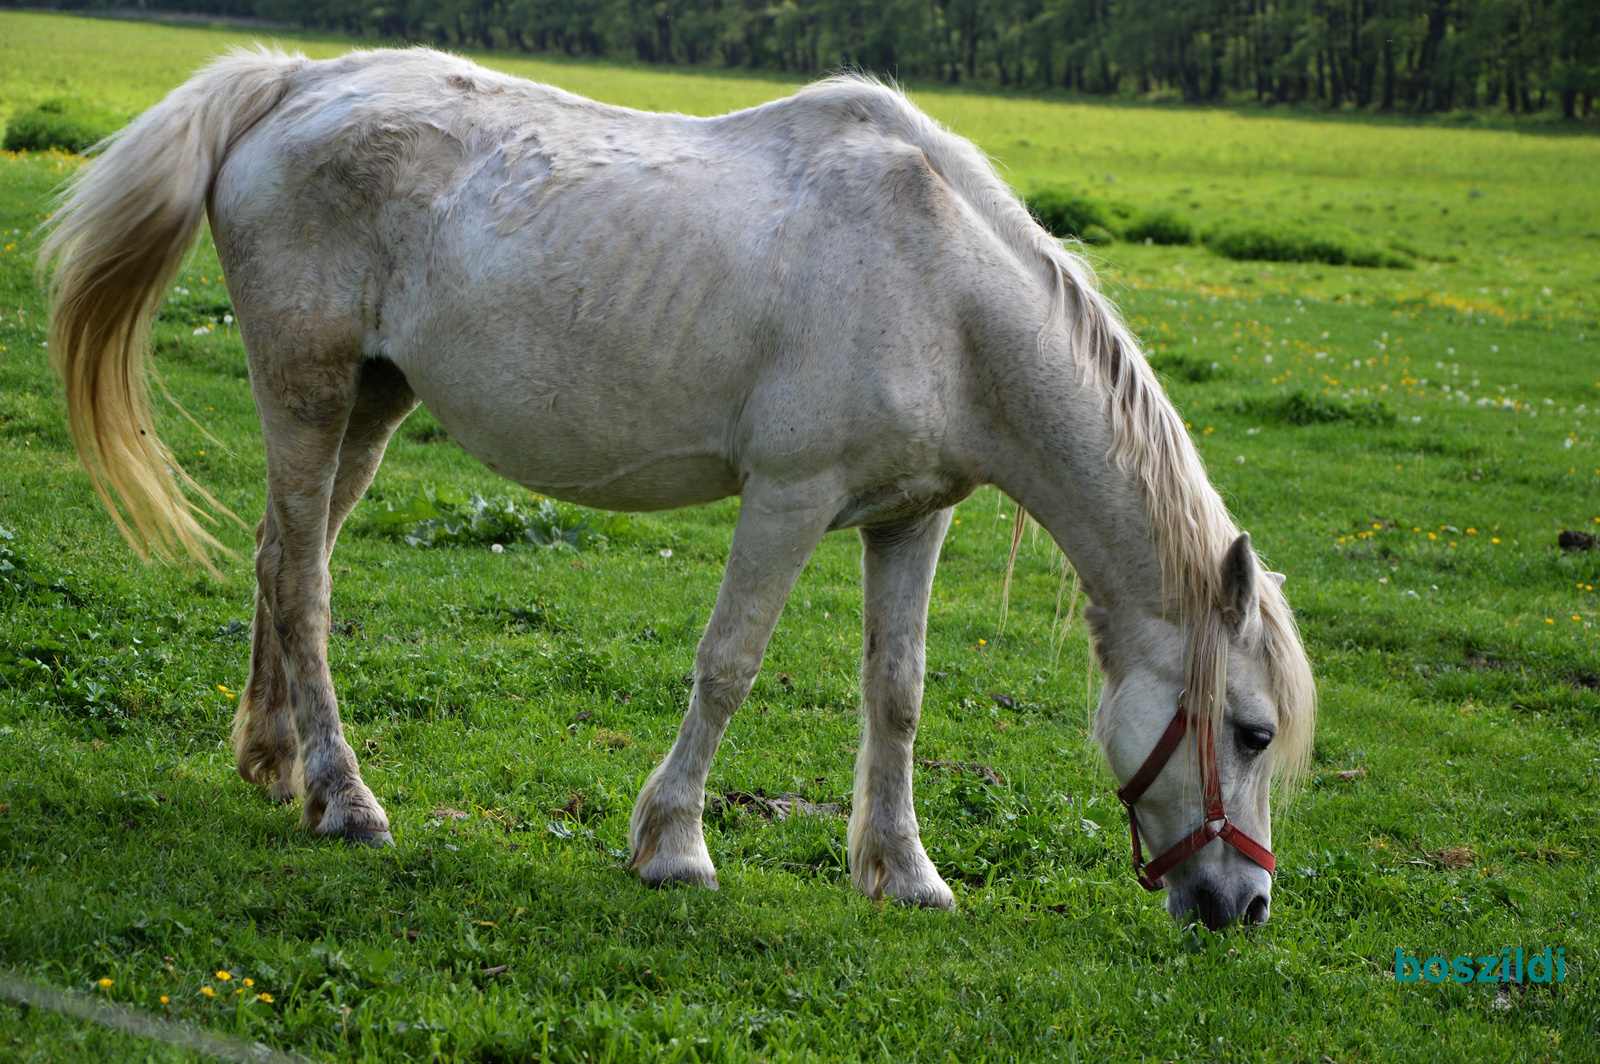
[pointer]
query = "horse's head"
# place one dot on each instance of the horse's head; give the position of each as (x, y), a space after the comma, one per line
(1256, 699)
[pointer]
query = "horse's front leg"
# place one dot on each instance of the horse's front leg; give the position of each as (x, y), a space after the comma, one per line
(779, 526)
(886, 854)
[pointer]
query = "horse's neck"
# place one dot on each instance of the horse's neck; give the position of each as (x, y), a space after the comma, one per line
(1092, 508)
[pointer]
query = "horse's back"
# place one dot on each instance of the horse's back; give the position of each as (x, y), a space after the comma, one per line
(627, 308)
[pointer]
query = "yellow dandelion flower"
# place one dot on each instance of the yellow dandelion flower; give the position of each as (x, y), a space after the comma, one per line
(208, 992)
(224, 976)
(249, 982)
(164, 999)
(1379, 527)
(1433, 535)
(1415, 529)
(1549, 620)
(1494, 539)
(103, 982)
(239, 991)
(264, 997)
(1472, 531)
(983, 642)
(222, 687)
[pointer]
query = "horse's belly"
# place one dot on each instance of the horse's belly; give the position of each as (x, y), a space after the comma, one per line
(617, 462)
(659, 484)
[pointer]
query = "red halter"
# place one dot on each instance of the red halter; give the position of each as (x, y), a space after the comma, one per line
(1150, 873)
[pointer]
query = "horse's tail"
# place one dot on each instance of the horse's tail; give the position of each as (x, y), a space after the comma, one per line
(123, 229)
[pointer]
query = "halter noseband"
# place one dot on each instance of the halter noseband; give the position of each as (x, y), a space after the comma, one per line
(1150, 873)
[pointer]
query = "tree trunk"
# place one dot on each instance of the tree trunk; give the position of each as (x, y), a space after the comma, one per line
(1388, 76)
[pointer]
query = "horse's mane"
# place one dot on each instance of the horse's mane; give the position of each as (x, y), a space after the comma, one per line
(1187, 517)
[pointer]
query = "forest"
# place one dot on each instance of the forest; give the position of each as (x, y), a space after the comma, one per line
(1521, 57)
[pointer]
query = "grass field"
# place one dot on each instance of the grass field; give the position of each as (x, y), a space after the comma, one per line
(1405, 444)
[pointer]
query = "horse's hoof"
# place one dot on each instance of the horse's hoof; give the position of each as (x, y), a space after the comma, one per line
(926, 899)
(684, 875)
(377, 840)
(922, 888)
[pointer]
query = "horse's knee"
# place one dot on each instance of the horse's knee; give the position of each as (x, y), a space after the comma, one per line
(896, 717)
(892, 684)
(724, 678)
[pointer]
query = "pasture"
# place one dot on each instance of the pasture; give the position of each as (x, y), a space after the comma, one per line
(1406, 445)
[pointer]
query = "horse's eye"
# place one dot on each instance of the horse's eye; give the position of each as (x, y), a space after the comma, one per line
(1255, 739)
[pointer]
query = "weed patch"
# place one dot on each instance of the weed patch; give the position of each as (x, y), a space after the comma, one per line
(1191, 369)
(1164, 226)
(439, 520)
(1283, 243)
(54, 124)
(1301, 407)
(1071, 216)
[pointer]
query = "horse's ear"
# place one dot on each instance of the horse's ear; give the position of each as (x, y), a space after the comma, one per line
(1276, 578)
(1241, 587)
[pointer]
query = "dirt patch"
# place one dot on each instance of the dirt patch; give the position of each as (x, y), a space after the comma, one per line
(611, 739)
(1587, 681)
(1576, 541)
(773, 807)
(1489, 663)
(1454, 858)
(572, 809)
(983, 772)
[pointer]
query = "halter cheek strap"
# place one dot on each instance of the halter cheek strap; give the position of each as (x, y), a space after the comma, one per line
(1214, 826)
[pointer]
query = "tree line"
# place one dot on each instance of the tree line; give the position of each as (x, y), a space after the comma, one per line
(1520, 56)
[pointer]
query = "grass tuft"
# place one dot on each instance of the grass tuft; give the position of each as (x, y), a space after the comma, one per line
(1163, 226)
(54, 124)
(1191, 369)
(1070, 216)
(1262, 242)
(444, 519)
(1300, 407)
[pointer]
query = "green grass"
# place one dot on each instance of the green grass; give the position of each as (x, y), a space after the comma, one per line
(1452, 805)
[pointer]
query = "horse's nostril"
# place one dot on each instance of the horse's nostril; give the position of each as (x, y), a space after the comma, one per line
(1256, 912)
(1212, 909)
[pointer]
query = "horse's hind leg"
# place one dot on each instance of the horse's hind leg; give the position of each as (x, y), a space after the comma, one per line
(886, 854)
(777, 531)
(316, 427)
(263, 735)
(263, 731)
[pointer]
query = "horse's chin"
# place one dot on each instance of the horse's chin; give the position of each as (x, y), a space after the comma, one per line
(1243, 897)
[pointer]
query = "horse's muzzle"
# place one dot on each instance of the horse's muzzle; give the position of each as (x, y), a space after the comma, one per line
(1218, 905)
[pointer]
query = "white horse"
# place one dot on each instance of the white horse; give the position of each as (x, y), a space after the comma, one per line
(827, 305)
